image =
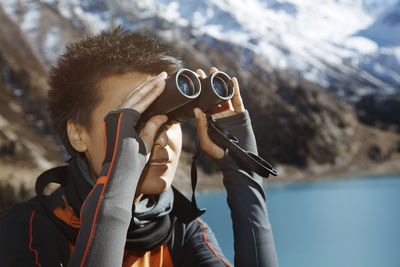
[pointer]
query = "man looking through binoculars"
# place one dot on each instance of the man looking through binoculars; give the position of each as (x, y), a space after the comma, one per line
(115, 205)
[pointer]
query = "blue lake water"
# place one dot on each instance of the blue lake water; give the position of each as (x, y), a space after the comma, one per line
(350, 222)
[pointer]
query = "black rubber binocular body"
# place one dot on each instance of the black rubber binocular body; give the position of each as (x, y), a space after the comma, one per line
(185, 90)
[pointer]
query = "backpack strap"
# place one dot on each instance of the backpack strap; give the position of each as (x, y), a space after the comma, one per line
(57, 176)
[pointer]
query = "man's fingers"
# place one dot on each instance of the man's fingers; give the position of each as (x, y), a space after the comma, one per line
(201, 73)
(142, 96)
(201, 123)
(144, 84)
(142, 102)
(141, 84)
(150, 130)
(237, 101)
(205, 142)
(213, 69)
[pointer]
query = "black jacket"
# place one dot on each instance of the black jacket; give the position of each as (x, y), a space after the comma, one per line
(30, 236)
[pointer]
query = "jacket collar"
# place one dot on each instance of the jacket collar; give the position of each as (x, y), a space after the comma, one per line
(76, 188)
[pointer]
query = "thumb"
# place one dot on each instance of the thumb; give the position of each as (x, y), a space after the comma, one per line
(150, 130)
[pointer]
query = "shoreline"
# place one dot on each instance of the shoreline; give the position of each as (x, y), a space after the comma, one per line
(288, 175)
(17, 175)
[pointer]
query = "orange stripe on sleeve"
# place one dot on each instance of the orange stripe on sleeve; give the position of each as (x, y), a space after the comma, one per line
(102, 192)
(102, 180)
(208, 244)
(30, 240)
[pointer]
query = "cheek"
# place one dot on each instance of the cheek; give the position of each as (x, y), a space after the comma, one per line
(175, 139)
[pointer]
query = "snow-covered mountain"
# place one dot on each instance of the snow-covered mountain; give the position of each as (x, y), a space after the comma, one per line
(351, 47)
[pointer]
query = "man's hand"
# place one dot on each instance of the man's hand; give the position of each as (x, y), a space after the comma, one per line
(226, 109)
(145, 93)
(140, 99)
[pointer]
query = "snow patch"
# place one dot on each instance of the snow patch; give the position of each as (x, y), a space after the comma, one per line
(10, 7)
(171, 13)
(53, 46)
(94, 22)
(302, 36)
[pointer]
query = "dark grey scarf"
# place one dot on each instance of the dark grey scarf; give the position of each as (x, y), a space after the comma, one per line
(150, 225)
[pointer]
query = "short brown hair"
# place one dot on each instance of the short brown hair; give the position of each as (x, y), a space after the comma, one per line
(74, 80)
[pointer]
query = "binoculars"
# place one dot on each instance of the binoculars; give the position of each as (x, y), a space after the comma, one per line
(185, 90)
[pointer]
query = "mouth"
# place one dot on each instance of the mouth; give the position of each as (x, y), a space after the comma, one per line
(159, 163)
(159, 166)
(159, 158)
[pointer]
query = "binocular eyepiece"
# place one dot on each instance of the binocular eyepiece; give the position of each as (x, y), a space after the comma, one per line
(184, 90)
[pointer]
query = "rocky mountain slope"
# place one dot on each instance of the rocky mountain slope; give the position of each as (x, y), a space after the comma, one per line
(301, 126)
(327, 42)
(25, 146)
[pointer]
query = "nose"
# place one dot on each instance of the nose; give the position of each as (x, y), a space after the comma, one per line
(162, 139)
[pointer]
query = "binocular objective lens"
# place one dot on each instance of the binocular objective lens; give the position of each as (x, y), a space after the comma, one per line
(220, 86)
(185, 85)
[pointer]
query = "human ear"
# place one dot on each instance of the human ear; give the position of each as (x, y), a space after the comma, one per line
(77, 136)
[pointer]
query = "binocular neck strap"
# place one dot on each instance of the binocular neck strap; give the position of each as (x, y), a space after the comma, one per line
(193, 174)
(230, 143)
